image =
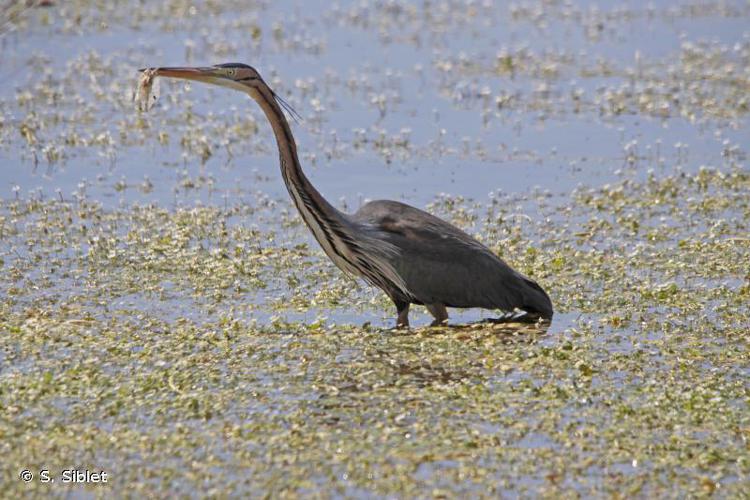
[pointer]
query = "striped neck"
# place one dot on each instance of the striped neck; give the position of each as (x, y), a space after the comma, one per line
(354, 248)
(328, 225)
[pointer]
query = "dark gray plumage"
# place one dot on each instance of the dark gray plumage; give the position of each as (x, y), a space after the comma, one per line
(440, 264)
(413, 256)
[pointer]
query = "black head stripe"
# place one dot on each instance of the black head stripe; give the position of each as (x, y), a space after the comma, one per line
(234, 65)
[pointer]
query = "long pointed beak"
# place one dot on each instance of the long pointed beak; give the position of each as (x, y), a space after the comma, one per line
(186, 73)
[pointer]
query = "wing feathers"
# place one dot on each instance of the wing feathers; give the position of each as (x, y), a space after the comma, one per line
(439, 263)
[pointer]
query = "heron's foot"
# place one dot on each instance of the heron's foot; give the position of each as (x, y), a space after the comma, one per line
(438, 312)
(518, 317)
(532, 318)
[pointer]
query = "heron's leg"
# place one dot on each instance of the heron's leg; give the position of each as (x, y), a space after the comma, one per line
(439, 312)
(403, 314)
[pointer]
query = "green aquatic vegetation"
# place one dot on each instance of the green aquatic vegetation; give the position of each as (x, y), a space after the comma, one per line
(648, 387)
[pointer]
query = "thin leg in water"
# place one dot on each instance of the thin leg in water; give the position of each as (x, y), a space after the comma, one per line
(403, 314)
(439, 312)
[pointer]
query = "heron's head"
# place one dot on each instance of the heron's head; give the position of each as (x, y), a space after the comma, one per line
(233, 75)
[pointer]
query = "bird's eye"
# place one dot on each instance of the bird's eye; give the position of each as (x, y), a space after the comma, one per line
(230, 72)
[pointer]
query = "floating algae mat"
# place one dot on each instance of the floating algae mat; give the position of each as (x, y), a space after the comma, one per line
(166, 318)
(649, 398)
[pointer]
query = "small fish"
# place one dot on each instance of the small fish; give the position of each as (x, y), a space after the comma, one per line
(147, 92)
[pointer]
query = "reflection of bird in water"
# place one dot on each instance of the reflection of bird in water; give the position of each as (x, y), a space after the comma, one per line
(414, 257)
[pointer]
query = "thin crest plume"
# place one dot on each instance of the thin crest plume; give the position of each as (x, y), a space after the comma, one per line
(289, 109)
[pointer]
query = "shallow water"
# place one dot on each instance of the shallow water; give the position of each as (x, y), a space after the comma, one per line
(163, 303)
(459, 141)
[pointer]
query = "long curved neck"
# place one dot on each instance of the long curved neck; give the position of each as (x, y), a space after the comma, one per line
(320, 216)
(348, 244)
